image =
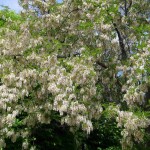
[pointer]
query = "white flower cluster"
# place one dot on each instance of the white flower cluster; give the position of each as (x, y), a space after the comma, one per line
(10, 47)
(34, 80)
(71, 93)
(132, 126)
(137, 79)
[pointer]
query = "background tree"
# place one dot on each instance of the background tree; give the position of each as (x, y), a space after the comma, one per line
(74, 63)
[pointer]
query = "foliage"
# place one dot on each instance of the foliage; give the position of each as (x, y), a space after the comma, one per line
(6, 16)
(81, 65)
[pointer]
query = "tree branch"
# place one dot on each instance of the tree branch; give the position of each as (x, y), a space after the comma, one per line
(101, 64)
(126, 9)
(122, 47)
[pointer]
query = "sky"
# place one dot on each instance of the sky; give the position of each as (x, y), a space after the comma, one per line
(13, 4)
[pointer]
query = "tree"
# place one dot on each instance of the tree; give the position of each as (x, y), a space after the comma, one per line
(73, 62)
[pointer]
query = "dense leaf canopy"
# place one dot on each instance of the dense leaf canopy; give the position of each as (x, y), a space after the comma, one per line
(74, 62)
